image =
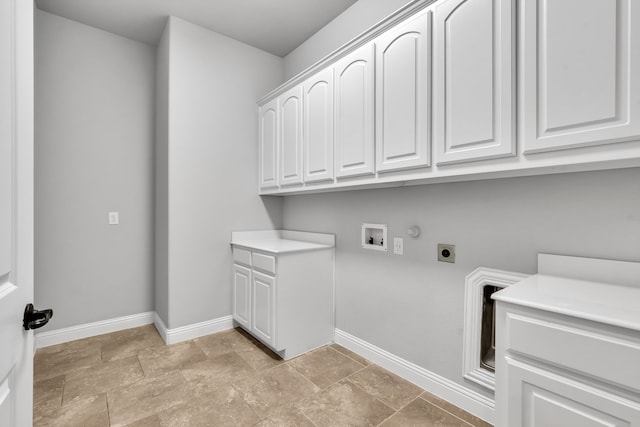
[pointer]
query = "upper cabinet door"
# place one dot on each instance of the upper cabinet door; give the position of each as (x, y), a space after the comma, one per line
(268, 145)
(473, 80)
(581, 73)
(354, 113)
(291, 136)
(403, 68)
(318, 127)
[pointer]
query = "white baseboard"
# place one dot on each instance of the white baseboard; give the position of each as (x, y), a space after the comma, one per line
(59, 336)
(184, 333)
(469, 400)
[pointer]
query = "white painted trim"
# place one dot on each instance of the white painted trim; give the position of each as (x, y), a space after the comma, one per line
(170, 336)
(59, 336)
(474, 284)
(184, 333)
(471, 401)
(160, 327)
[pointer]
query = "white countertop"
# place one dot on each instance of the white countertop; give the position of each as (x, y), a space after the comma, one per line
(612, 304)
(282, 241)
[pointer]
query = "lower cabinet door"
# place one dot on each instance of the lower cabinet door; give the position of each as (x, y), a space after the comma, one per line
(263, 312)
(541, 398)
(242, 295)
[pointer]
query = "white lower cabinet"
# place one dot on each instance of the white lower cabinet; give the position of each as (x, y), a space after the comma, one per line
(542, 398)
(242, 295)
(283, 289)
(554, 371)
(568, 350)
(263, 309)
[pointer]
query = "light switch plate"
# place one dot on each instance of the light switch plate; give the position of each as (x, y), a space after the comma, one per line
(114, 218)
(398, 245)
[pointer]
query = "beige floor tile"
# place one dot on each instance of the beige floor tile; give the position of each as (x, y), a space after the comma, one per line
(50, 389)
(147, 397)
(351, 354)
(224, 398)
(151, 421)
(225, 342)
(259, 357)
(58, 360)
(101, 378)
(130, 342)
(386, 386)
(421, 413)
(158, 360)
(451, 408)
(200, 412)
(224, 368)
(89, 412)
(344, 404)
(325, 366)
(287, 416)
(279, 386)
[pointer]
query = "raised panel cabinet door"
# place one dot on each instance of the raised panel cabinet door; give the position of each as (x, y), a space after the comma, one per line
(242, 295)
(403, 75)
(291, 136)
(354, 112)
(473, 80)
(263, 308)
(268, 145)
(318, 127)
(581, 73)
(541, 398)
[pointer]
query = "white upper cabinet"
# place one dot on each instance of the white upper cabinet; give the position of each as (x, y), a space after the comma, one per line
(473, 80)
(290, 109)
(354, 113)
(403, 68)
(581, 73)
(318, 127)
(268, 146)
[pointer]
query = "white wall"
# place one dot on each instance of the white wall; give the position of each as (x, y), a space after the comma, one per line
(412, 305)
(94, 154)
(214, 82)
(356, 19)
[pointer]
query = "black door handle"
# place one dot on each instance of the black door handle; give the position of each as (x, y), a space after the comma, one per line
(34, 319)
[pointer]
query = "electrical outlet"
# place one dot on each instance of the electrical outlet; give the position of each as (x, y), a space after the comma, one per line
(446, 253)
(398, 243)
(114, 218)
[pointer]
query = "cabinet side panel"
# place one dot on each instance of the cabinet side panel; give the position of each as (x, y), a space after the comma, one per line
(305, 301)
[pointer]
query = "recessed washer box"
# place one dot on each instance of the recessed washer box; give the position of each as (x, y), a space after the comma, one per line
(374, 237)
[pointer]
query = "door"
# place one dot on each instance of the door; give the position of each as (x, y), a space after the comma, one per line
(318, 127)
(354, 112)
(242, 295)
(291, 136)
(268, 145)
(403, 113)
(581, 73)
(263, 312)
(16, 210)
(541, 398)
(473, 80)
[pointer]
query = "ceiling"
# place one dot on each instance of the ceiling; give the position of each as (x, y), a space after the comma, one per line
(276, 26)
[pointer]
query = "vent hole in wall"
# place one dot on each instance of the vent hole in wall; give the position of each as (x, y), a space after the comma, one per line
(488, 330)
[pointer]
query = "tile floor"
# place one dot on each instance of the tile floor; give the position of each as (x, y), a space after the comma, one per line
(130, 378)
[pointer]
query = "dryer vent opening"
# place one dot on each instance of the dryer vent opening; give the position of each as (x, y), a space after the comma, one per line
(488, 331)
